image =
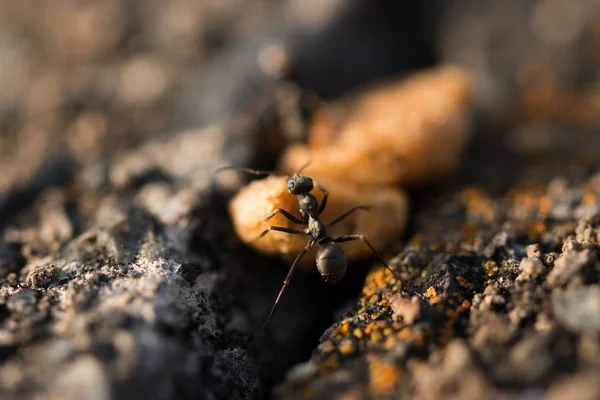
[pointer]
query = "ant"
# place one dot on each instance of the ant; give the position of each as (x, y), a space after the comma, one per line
(331, 260)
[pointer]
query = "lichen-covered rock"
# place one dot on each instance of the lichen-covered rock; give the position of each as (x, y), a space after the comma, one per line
(494, 306)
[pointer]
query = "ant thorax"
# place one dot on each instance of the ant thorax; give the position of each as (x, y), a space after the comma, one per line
(309, 206)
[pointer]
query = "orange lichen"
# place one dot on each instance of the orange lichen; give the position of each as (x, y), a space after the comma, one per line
(544, 206)
(375, 280)
(374, 299)
(589, 199)
(544, 98)
(397, 325)
(346, 347)
(390, 343)
(464, 283)
(384, 376)
(478, 204)
(376, 336)
(327, 347)
(431, 292)
(526, 196)
(336, 331)
(405, 334)
(331, 362)
(490, 268)
(344, 327)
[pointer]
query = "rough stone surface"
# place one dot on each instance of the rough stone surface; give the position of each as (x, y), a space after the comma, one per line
(502, 260)
(483, 320)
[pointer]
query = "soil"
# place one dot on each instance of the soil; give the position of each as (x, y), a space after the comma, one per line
(120, 272)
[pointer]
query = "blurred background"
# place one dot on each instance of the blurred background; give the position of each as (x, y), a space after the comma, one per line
(95, 78)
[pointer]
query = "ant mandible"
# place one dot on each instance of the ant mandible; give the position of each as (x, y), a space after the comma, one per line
(331, 259)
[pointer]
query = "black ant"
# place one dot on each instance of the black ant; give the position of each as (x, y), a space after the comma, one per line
(331, 259)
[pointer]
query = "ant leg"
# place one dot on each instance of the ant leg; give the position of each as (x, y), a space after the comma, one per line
(282, 229)
(350, 238)
(325, 194)
(285, 214)
(344, 215)
(285, 283)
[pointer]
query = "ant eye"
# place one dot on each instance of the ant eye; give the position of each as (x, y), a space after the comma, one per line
(290, 185)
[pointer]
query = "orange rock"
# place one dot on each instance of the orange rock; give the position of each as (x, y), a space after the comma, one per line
(400, 132)
(381, 224)
(347, 164)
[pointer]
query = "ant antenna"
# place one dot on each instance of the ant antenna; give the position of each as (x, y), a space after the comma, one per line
(306, 164)
(248, 170)
(231, 167)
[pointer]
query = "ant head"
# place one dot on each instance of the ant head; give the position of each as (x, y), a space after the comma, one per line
(299, 184)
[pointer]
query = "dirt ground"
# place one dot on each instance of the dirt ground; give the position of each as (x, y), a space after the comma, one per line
(120, 272)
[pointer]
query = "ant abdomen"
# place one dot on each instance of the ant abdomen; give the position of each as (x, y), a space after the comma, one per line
(331, 262)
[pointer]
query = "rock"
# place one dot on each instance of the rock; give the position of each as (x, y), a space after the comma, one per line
(570, 266)
(404, 309)
(488, 324)
(530, 269)
(390, 133)
(578, 309)
(583, 385)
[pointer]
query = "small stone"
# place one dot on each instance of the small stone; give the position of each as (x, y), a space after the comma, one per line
(582, 386)
(22, 302)
(404, 309)
(578, 309)
(533, 251)
(568, 266)
(530, 269)
(143, 80)
(189, 271)
(588, 229)
(41, 278)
